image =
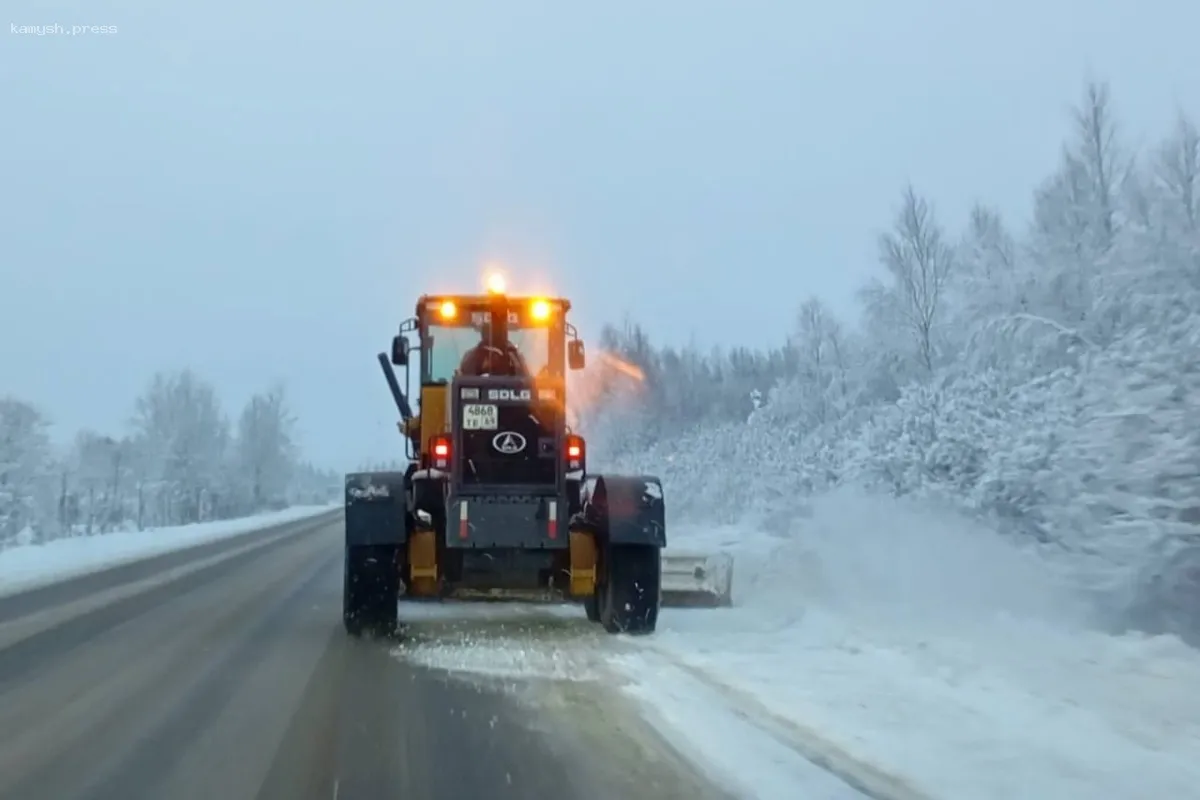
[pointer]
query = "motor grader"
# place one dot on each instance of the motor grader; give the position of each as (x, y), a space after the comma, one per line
(497, 501)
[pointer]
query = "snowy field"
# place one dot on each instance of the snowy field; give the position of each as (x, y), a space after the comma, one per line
(906, 652)
(29, 566)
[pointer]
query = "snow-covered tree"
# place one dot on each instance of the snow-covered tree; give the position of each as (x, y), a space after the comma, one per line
(820, 388)
(906, 313)
(991, 278)
(176, 463)
(1177, 176)
(1101, 162)
(24, 461)
(311, 485)
(919, 262)
(95, 475)
(181, 436)
(266, 448)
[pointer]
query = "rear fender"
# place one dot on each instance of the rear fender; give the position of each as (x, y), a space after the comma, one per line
(376, 508)
(625, 509)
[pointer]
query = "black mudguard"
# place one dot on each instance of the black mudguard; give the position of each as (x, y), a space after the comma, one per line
(376, 508)
(626, 509)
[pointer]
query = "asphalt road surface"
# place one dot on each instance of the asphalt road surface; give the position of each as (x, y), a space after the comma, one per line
(224, 673)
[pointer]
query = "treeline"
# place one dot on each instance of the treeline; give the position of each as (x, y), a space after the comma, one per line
(1044, 372)
(181, 459)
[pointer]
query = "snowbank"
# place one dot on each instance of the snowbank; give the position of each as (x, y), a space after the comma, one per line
(936, 653)
(25, 567)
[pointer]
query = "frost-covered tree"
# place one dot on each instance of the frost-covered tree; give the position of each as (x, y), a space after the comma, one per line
(266, 448)
(820, 389)
(176, 463)
(182, 437)
(95, 474)
(1176, 181)
(1177, 175)
(990, 279)
(919, 263)
(311, 485)
(820, 347)
(24, 462)
(1080, 213)
(1101, 162)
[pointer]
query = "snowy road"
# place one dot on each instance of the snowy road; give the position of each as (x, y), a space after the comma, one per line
(525, 648)
(228, 675)
(905, 651)
(870, 654)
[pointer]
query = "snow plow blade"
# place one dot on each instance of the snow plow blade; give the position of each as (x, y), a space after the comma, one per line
(697, 580)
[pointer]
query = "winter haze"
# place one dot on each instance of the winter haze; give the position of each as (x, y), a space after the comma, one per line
(901, 303)
(258, 192)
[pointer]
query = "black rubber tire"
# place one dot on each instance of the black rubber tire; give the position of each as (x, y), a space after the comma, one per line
(631, 594)
(370, 590)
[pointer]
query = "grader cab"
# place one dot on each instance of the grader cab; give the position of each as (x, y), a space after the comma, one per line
(497, 500)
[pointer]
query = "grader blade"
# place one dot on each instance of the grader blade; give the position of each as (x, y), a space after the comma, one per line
(696, 580)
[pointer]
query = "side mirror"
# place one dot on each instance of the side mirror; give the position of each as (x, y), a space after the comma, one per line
(575, 355)
(399, 351)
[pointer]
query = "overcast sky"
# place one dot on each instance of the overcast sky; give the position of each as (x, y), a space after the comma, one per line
(260, 190)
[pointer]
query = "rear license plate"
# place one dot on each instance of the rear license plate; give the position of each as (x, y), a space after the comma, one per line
(480, 417)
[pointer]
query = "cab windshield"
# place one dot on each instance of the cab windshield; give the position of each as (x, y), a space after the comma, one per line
(450, 344)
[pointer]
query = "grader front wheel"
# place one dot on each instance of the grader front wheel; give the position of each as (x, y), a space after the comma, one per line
(630, 597)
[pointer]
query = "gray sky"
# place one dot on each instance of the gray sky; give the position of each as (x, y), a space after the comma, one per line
(260, 191)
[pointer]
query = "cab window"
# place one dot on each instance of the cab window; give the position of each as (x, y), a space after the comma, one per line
(450, 343)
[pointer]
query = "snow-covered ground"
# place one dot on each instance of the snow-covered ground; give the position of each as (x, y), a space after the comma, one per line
(909, 652)
(518, 646)
(28, 566)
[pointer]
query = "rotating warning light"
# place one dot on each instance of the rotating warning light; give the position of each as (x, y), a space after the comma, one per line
(495, 283)
(448, 310)
(540, 310)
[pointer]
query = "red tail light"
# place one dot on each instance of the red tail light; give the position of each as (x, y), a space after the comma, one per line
(576, 452)
(440, 452)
